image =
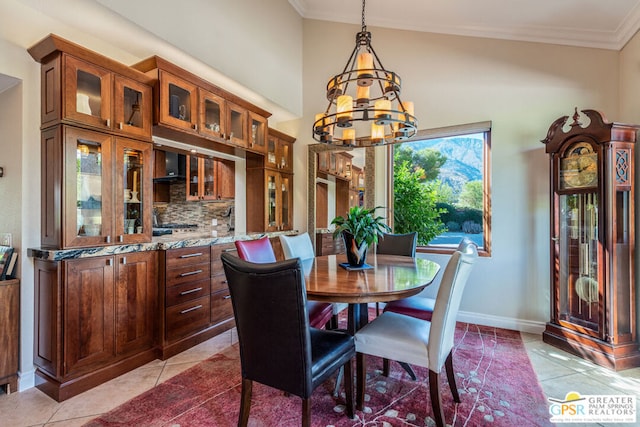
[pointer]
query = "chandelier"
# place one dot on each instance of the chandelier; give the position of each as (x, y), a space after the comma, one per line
(364, 102)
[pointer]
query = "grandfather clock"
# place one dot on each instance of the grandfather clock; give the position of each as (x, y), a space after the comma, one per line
(593, 289)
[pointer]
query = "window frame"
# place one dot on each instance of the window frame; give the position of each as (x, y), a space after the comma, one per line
(443, 132)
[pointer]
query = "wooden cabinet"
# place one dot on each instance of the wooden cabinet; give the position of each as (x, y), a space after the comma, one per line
(101, 185)
(327, 245)
(84, 88)
(95, 319)
(9, 334)
(210, 178)
(279, 151)
(196, 304)
(270, 185)
(279, 198)
(204, 114)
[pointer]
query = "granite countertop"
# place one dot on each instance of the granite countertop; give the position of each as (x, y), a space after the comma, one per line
(157, 243)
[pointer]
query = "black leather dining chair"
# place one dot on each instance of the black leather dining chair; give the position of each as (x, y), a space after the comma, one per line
(278, 348)
(398, 244)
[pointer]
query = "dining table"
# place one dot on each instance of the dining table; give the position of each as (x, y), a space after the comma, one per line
(385, 278)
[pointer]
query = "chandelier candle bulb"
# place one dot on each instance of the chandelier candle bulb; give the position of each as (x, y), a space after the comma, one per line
(344, 110)
(377, 133)
(393, 83)
(320, 124)
(349, 136)
(382, 111)
(362, 96)
(407, 106)
(334, 88)
(365, 67)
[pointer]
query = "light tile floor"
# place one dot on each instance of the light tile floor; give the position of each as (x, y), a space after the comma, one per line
(558, 373)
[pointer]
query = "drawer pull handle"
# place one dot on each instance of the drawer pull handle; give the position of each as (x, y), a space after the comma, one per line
(224, 282)
(197, 307)
(190, 291)
(191, 255)
(231, 250)
(190, 273)
(227, 297)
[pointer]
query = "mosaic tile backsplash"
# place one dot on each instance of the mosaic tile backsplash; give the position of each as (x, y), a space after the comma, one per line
(178, 210)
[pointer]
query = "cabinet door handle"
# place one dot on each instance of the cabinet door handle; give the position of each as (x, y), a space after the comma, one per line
(191, 255)
(120, 125)
(121, 238)
(190, 273)
(108, 122)
(197, 307)
(108, 239)
(195, 126)
(109, 262)
(123, 260)
(226, 297)
(190, 291)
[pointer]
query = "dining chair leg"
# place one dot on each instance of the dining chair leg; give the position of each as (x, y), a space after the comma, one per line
(436, 402)
(361, 379)
(386, 368)
(336, 390)
(448, 365)
(348, 389)
(245, 403)
(306, 412)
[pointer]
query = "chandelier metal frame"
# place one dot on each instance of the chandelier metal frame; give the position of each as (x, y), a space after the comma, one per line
(366, 74)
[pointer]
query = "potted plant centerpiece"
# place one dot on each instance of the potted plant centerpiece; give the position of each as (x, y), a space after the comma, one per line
(359, 230)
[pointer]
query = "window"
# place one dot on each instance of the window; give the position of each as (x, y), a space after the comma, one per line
(440, 187)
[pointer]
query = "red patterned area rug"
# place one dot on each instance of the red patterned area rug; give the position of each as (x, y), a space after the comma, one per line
(497, 386)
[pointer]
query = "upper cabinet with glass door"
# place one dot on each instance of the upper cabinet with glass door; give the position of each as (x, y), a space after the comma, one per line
(95, 91)
(279, 151)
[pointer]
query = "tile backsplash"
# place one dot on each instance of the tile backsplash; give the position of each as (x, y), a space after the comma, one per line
(178, 210)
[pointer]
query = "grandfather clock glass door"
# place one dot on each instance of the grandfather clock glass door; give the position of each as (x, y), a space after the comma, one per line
(579, 262)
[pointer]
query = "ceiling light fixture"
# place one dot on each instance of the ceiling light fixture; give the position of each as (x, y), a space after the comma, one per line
(364, 102)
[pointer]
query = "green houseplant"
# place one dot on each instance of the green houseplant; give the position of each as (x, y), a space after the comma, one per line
(359, 230)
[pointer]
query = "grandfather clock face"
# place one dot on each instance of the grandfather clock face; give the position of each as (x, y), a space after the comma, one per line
(578, 167)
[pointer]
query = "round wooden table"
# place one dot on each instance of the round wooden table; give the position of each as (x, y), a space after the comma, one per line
(390, 278)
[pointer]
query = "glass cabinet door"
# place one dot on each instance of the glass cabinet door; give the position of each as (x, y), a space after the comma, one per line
(193, 178)
(212, 114)
(285, 155)
(179, 102)
(132, 113)
(272, 201)
(237, 124)
(286, 201)
(88, 188)
(133, 195)
(579, 261)
(208, 179)
(258, 136)
(87, 93)
(271, 157)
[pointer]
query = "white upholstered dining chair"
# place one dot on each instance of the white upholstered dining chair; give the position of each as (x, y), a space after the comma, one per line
(300, 246)
(420, 342)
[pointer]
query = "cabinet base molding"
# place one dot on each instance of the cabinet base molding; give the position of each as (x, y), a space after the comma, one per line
(65, 389)
(173, 348)
(617, 357)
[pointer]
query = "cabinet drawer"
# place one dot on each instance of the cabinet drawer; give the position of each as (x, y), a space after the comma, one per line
(221, 308)
(219, 283)
(188, 273)
(187, 317)
(187, 291)
(186, 256)
(216, 251)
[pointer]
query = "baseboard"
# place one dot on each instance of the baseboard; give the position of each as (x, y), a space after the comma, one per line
(529, 326)
(521, 325)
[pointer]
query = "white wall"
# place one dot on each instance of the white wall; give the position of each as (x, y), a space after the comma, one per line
(522, 88)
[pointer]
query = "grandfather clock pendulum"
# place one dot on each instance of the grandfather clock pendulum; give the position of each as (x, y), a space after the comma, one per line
(593, 287)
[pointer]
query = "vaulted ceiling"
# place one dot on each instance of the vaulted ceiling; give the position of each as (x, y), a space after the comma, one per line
(589, 23)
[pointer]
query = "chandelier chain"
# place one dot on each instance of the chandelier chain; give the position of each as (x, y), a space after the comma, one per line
(364, 27)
